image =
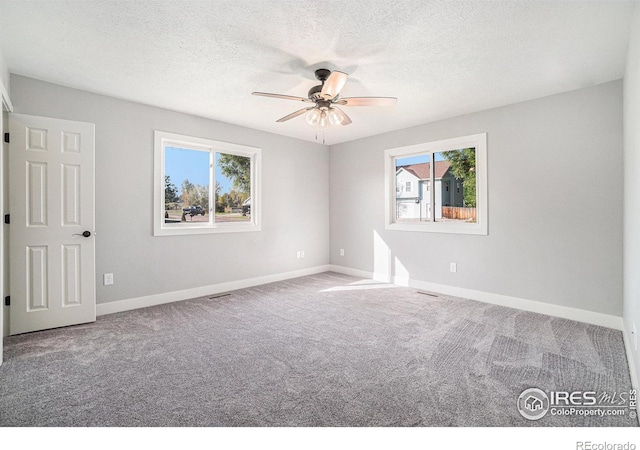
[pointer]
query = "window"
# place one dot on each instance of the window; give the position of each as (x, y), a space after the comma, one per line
(408, 186)
(205, 186)
(460, 163)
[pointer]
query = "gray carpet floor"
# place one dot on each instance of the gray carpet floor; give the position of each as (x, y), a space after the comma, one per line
(322, 350)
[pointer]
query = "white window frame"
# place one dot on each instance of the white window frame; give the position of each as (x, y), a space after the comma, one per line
(477, 141)
(160, 228)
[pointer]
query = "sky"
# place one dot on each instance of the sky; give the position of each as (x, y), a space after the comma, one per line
(193, 165)
(417, 159)
(181, 164)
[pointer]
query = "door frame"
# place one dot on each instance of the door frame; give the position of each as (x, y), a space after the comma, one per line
(5, 102)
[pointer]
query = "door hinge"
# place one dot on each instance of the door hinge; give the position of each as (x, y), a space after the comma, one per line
(7, 219)
(7, 300)
(6, 137)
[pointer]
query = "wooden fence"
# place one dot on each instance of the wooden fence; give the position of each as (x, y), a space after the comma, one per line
(450, 212)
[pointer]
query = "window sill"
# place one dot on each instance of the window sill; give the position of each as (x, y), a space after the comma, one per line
(185, 229)
(439, 227)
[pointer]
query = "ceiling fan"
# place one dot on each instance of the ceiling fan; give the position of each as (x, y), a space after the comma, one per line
(326, 99)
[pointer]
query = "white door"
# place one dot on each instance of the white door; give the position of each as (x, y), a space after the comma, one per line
(52, 248)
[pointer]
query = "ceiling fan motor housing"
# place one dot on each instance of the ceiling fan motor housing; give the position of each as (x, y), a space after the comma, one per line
(322, 75)
(314, 92)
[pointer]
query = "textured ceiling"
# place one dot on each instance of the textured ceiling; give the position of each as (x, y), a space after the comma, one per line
(440, 59)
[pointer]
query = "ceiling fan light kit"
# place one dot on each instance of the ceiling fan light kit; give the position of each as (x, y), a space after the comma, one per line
(323, 117)
(326, 98)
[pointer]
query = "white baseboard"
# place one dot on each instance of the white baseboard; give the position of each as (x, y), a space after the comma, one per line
(350, 271)
(549, 309)
(186, 294)
(628, 343)
(579, 315)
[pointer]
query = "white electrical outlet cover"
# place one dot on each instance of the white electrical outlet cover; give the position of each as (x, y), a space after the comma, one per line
(107, 279)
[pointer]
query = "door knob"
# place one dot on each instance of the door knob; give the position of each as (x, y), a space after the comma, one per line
(84, 233)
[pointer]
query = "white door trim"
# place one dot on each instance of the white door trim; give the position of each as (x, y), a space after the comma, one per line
(6, 106)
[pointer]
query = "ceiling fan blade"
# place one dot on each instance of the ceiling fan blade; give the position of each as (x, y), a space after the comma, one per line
(333, 85)
(285, 97)
(367, 101)
(346, 120)
(295, 114)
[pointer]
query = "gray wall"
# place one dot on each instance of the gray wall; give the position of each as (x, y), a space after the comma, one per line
(632, 186)
(4, 70)
(555, 203)
(295, 197)
(555, 235)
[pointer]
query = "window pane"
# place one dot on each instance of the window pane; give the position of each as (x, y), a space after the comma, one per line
(455, 182)
(186, 185)
(412, 189)
(233, 188)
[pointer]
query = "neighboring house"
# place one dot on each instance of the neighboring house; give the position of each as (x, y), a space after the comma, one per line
(246, 207)
(413, 196)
